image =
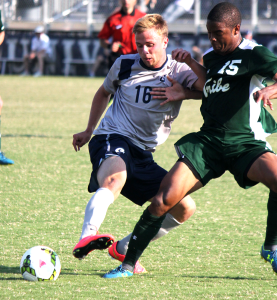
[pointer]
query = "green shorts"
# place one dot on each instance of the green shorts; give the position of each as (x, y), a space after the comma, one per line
(211, 153)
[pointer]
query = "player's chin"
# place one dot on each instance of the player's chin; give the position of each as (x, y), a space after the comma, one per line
(148, 62)
(221, 51)
(217, 48)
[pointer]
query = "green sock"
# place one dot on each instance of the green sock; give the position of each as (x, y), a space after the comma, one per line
(146, 228)
(271, 229)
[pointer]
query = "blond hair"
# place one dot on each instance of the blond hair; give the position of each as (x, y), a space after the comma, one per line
(151, 21)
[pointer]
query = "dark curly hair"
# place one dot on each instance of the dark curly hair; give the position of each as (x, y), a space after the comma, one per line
(225, 12)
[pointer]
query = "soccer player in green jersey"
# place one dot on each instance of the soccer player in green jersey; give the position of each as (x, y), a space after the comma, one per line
(3, 159)
(232, 137)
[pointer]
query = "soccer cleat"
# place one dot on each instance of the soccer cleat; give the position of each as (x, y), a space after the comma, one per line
(37, 74)
(114, 254)
(25, 74)
(117, 273)
(92, 242)
(4, 160)
(270, 256)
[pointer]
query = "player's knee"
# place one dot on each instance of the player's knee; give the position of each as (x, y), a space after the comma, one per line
(157, 207)
(184, 209)
(161, 204)
(114, 182)
(273, 183)
(189, 207)
(274, 188)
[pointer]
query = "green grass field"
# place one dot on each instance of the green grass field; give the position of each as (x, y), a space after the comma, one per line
(215, 255)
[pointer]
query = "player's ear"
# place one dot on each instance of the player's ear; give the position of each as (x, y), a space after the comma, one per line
(165, 41)
(236, 30)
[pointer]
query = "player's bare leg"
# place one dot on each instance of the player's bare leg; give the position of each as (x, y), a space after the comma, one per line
(40, 57)
(111, 178)
(179, 182)
(264, 170)
(174, 218)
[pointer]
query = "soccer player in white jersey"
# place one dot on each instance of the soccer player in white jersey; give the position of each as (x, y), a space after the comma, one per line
(232, 137)
(132, 127)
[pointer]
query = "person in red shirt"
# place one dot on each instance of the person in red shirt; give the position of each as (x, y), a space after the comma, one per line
(117, 32)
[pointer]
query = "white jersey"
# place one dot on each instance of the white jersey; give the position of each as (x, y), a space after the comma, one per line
(186, 4)
(134, 113)
(42, 43)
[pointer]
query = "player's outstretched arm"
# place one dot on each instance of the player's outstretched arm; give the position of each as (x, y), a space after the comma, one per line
(184, 56)
(176, 92)
(98, 106)
(267, 94)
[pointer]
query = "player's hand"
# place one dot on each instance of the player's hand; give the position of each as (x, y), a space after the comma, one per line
(115, 46)
(182, 56)
(32, 55)
(80, 139)
(263, 95)
(172, 93)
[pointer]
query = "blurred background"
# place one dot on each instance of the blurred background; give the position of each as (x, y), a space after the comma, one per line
(73, 25)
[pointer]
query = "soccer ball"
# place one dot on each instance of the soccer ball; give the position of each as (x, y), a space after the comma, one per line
(40, 263)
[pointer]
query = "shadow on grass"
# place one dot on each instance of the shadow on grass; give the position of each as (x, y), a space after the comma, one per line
(214, 277)
(224, 277)
(10, 270)
(92, 273)
(70, 272)
(32, 136)
(64, 271)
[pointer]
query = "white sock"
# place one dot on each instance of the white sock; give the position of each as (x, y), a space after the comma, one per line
(96, 211)
(168, 224)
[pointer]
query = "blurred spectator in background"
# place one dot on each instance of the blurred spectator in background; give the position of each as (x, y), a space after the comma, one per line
(197, 54)
(117, 32)
(176, 9)
(102, 59)
(147, 5)
(40, 51)
(150, 4)
(249, 36)
(3, 159)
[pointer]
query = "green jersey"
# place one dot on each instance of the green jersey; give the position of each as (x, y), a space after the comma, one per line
(228, 102)
(1, 24)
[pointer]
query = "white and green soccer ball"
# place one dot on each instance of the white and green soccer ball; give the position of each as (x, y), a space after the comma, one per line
(40, 263)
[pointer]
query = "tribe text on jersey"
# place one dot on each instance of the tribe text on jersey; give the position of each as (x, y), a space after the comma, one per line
(228, 102)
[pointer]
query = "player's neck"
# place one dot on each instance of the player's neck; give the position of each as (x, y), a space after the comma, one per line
(161, 62)
(128, 11)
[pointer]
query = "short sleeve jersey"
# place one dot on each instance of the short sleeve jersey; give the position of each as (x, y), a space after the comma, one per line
(119, 27)
(42, 43)
(134, 113)
(228, 102)
(1, 24)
